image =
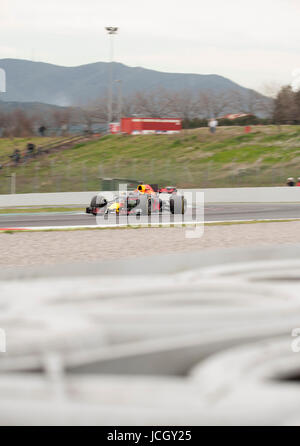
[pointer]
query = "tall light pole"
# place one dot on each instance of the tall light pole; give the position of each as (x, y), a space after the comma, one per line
(112, 30)
(120, 101)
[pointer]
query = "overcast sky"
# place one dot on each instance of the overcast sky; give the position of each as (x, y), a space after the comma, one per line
(251, 42)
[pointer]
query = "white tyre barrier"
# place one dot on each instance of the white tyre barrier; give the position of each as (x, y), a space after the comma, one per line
(206, 341)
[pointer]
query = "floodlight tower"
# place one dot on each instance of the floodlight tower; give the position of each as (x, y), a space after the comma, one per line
(120, 101)
(112, 31)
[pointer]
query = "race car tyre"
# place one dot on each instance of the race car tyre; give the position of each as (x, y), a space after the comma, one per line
(177, 204)
(98, 201)
(93, 202)
(160, 206)
(144, 205)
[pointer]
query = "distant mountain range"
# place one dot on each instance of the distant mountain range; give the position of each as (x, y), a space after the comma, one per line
(29, 81)
(31, 108)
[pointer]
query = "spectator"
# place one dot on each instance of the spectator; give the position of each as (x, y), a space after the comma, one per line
(30, 149)
(42, 130)
(290, 182)
(16, 156)
(213, 125)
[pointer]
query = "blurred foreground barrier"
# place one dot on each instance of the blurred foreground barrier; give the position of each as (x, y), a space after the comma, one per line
(192, 339)
(225, 195)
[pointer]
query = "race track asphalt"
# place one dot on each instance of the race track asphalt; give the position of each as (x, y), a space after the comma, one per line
(212, 212)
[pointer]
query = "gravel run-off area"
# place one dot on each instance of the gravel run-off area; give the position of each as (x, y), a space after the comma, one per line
(58, 247)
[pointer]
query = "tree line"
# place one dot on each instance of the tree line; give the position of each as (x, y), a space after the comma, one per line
(185, 104)
(194, 108)
(287, 106)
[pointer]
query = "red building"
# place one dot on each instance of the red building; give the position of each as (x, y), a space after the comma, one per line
(135, 126)
(114, 127)
(233, 116)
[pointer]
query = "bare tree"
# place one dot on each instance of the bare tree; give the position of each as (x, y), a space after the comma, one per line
(6, 124)
(62, 119)
(128, 106)
(184, 104)
(154, 104)
(87, 116)
(213, 103)
(21, 123)
(270, 91)
(99, 108)
(285, 110)
(252, 102)
(297, 105)
(237, 101)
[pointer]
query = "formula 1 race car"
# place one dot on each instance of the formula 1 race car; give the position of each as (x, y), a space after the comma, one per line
(145, 200)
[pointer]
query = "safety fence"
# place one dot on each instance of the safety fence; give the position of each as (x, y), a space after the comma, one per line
(39, 173)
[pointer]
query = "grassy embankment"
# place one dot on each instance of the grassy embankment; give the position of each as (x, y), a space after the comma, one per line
(194, 158)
